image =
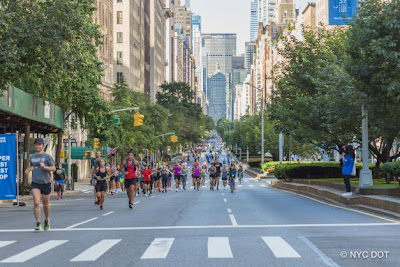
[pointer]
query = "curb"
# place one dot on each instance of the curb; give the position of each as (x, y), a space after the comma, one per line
(367, 203)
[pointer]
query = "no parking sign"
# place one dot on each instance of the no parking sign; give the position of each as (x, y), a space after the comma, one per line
(8, 166)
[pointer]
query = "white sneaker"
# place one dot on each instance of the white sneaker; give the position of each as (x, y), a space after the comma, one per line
(177, 190)
(347, 194)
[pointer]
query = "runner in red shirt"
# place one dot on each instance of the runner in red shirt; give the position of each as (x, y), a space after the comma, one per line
(130, 178)
(147, 179)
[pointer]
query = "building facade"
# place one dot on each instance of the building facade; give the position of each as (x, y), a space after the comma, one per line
(216, 95)
(309, 16)
(103, 16)
(132, 44)
(285, 12)
(254, 17)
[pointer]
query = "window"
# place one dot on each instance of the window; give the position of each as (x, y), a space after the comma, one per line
(119, 1)
(119, 17)
(119, 57)
(120, 77)
(119, 37)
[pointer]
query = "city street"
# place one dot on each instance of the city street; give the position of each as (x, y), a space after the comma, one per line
(254, 226)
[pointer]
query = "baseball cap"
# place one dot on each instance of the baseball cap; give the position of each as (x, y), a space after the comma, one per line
(39, 141)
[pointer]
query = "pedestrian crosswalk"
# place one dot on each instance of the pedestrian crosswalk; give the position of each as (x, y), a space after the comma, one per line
(158, 248)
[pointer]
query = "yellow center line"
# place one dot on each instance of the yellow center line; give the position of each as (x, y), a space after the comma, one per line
(343, 208)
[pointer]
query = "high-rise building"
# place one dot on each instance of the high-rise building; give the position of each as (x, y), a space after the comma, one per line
(170, 42)
(285, 12)
(249, 55)
(188, 4)
(197, 54)
(183, 23)
(216, 95)
(157, 47)
(218, 49)
(132, 44)
(322, 12)
(271, 11)
(196, 21)
(254, 20)
(103, 16)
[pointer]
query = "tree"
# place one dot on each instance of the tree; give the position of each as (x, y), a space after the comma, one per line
(49, 49)
(314, 100)
(374, 64)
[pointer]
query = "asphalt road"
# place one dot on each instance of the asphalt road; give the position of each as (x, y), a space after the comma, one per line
(255, 226)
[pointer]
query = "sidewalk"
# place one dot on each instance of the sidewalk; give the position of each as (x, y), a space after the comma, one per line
(384, 205)
(81, 186)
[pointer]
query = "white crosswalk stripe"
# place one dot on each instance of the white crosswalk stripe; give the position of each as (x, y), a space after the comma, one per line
(97, 250)
(280, 247)
(218, 247)
(263, 185)
(251, 185)
(34, 252)
(6, 243)
(239, 185)
(158, 249)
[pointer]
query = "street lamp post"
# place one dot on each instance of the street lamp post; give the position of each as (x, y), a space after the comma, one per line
(366, 173)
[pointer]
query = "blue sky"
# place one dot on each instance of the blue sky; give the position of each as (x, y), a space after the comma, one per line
(228, 16)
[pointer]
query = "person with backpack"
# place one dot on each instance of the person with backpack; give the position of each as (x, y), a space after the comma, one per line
(212, 171)
(59, 183)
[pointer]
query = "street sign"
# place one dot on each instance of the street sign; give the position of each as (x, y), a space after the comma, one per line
(341, 12)
(116, 120)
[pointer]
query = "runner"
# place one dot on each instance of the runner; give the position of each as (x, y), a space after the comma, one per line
(240, 172)
(41, 165)
(169, 177)
(218, 172)
(120, 179)
(113, 178)
(184, 176)
(224, 175)
(147, 179)
(212, 171)
(203, 173)
(130, 179)
(232, 176)
(95, 164)
(59, 176)
(158, 177)
(196, 173)
(177, 175)
(101, 173)
(164, 178)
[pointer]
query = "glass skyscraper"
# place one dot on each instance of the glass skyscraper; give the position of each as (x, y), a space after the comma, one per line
(216, 95)
(254, 20)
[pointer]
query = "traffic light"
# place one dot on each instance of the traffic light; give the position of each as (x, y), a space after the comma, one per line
(96, 142)
(138, 119)
(174, 139)
(87, 154)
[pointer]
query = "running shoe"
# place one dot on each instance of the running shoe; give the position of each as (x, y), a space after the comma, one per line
(58, 198)
(46, 225)
(130, 205)
(62, 196)
(101, 207)
(38, 226)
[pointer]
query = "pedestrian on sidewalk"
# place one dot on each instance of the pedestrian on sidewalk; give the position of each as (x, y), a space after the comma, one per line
(41, 165)
(348, 156)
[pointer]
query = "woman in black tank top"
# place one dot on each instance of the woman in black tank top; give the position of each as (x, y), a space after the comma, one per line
(101, 174)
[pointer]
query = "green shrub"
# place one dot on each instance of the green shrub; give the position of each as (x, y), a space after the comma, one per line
(314, 170)
(391, 169)
(308, 170)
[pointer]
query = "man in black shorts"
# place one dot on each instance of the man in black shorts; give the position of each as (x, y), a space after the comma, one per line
(130, 168)
(218, 172)
(41, 165)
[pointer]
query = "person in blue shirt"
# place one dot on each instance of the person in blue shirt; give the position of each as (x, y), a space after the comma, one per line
(348, 160)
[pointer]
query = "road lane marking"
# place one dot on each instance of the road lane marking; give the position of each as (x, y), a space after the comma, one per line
(280, 247)
(225, 200)
(343, 208)
(218, 247)
(77, 224)
(233, 220)
(137, 202)
(108, 213)
(205, 227)
(239, 185)
(6, 243)
(223, 194)
(97, 250)
(229, 210)
(251, 185)
(263, 185)
(328, 261)
(34, 252)
(152, 196)
(158, 249)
